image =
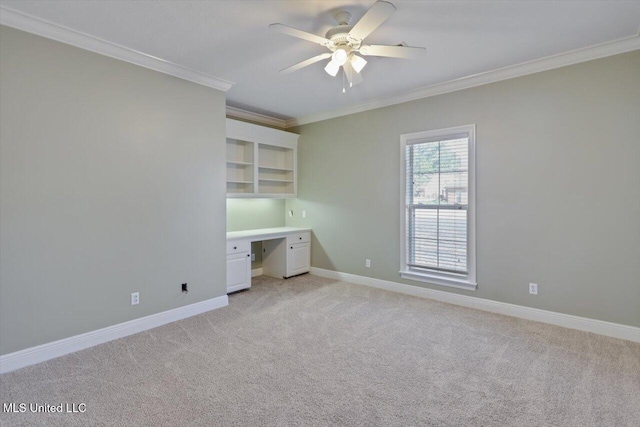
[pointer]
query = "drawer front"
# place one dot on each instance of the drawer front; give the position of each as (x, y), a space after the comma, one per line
(303, 237)
(238, 246)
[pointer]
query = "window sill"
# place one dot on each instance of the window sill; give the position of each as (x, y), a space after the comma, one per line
(439, 280)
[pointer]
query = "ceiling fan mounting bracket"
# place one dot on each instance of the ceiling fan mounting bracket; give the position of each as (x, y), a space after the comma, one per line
(342, 17)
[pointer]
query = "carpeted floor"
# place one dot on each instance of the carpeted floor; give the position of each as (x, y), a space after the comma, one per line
(310, 351)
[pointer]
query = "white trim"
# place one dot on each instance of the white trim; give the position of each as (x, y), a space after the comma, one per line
(44, 352)
(259, 134)
(50, 30)
(467, 282)
(237, 113)
(439, 279)
(601, 327)
(256, 272)
(590, 53)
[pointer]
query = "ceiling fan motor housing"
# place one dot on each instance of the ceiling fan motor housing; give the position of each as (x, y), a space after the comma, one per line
(339, 35)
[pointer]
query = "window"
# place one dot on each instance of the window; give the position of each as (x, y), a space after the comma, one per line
(438, 207)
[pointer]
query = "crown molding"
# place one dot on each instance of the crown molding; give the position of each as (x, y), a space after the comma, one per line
(41, 27)
(543, 64)
(237, 113)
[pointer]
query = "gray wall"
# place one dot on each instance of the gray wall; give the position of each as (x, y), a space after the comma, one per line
(248, 214)
(112, 181)
(558, 187)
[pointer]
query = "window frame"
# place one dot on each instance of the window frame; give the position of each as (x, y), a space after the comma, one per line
(460, 281)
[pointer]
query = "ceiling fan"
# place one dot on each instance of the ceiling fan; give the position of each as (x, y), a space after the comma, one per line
(346, 41)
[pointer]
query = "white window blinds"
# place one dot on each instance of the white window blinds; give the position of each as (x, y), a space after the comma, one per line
(437, 204)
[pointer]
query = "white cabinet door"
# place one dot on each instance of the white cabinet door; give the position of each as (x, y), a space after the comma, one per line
(238, 272)
(298, 259)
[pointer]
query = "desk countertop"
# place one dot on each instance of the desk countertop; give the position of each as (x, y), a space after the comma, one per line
(264, 233)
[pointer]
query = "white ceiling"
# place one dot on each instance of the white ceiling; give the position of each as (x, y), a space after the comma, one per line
(229, 39)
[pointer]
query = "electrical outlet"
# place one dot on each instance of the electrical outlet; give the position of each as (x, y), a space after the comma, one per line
(304, 214)
(135, 298)
(184, 288)
(533, 288)
(253, 257)
(367, 263)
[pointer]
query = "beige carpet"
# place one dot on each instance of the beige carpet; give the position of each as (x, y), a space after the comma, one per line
(309, 351)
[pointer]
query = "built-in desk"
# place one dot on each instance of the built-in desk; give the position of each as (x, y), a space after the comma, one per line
(286, 253)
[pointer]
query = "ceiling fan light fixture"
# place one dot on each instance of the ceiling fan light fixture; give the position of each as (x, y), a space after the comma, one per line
(332, 68)
(339, 56)
(358, 63)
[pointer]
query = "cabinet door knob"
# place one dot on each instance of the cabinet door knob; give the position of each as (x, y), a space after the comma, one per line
(291, 247)
(235, 247)
(248, 254)
(300, 238)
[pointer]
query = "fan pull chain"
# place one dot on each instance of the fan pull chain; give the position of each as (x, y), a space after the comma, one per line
(344, 90)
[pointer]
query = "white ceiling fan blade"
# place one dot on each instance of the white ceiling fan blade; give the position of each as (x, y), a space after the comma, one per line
(404, 52)
(309, 61)
(371, 20)
(290, 31)
(353, 77)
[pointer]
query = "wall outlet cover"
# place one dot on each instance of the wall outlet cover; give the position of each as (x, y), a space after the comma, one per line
(533, 288)
(135, 298)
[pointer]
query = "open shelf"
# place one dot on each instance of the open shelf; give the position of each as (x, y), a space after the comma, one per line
(274, 157)
(275, 187)
(274, 169)
(239, 165)
(229, 162)
(261, 162)
(275, 180)
(239, 151)
(236, 187)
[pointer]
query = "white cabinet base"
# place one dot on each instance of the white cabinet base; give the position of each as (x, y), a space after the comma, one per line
(298, 259)
(282, 260)
(238, 272)
(286, 253)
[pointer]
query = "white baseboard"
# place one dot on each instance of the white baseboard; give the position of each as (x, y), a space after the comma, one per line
(601, 327)
(256, 272)
(29, 356)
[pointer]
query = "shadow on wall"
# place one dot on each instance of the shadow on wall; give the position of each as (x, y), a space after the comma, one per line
(318, 254)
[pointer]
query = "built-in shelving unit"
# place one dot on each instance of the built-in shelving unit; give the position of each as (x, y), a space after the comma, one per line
(275, 170)
(240, 166)
(261, 162)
